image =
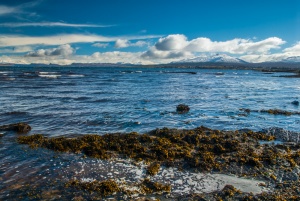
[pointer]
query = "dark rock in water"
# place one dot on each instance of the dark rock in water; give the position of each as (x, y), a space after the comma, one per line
(1, 134)
(181, 108)
(188, 72)
(18, 127)
(219, 73)
(295, 103)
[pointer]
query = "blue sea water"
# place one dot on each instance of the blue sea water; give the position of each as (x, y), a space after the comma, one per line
(66, 101)
(60, 101)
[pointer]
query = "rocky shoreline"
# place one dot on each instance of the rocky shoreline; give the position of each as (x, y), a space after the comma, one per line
(200, 151)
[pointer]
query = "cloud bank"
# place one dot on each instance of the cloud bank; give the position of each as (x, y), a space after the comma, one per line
(166, 49)
(123, 43)
(49, 24)
(178, 45)
(20, 40)
(63, 50)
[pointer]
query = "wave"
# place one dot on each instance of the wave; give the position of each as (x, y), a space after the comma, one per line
(49, 76)
(47, 73)
(76, 75)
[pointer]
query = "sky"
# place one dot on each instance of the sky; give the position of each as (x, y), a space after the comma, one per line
(147, 32)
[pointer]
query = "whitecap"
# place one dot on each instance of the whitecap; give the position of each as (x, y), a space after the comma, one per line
(50, 76)
(76, 75)
(5, 72)
(47, 73)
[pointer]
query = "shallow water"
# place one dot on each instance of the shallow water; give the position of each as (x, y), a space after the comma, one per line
(66, 101)
(59, 101)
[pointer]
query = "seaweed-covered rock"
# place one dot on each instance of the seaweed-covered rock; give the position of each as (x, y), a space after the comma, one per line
(153, 169)
(295, 103)
(18, 127)
(103, 188)
(181, 108)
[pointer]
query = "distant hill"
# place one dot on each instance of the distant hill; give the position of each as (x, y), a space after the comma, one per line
(217, 58)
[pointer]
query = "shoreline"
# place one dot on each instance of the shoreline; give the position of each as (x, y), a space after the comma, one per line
(186, 177)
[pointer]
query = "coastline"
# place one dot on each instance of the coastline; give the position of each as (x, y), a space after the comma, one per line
(254, 173)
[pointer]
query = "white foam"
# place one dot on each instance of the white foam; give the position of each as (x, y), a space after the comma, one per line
(76, 75)
(50, 76)
(46, 73)
(182, 182)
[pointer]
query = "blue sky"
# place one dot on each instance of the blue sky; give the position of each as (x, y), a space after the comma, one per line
(135, 31)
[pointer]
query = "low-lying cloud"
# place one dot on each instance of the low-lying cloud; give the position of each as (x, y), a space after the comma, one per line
(63, 50)
(21, 40)
(123, 43)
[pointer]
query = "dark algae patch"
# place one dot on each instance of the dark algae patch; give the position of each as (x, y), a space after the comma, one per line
(271, 111)
(182, 108)
(103, 188)
(153, 169)
(202, 148)
(111, 187)
(18, 127)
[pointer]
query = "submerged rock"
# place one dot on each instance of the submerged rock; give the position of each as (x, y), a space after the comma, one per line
(153, 169)
(18, 127)
(271, 111)
(181, 108)
(295, 103)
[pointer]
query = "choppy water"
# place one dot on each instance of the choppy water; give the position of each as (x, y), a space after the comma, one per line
(65, 101)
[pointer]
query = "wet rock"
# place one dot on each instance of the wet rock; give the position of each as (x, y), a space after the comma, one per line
(271, 111)
(282, 134)
(153, 169)
(103, 188)
(18, 127)
(181, 108)
(295, 103)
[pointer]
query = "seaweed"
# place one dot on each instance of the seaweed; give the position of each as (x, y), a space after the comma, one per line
(103, 188)
(149, 187)
(153, 169)
(182, 108)
(201, 148)
(17, 127)
(271, 111)
(110, 187)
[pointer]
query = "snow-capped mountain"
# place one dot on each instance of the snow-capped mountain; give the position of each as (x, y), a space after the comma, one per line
(294, 59)
(217, 58)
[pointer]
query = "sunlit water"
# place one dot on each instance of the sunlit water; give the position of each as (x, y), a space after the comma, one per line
(66, 101)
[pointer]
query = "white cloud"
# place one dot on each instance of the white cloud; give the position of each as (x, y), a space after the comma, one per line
(122, 43)
(19, 9)
(48, 24)
(97, 57)
(178, 45)
(100, 45)
(63, 50)
(153, 53)
(172, 42)
(20, 40)
(293, 51)
(19, 49)
(116, 57)
(6, 10)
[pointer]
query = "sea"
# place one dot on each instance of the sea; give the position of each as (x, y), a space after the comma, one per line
(67, 101)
